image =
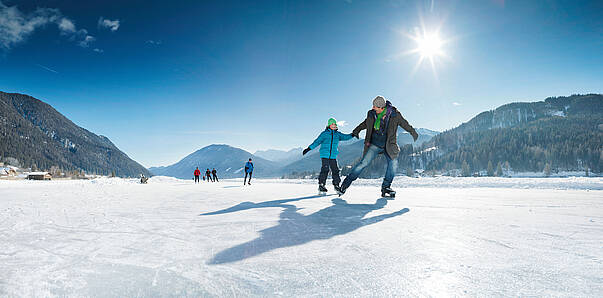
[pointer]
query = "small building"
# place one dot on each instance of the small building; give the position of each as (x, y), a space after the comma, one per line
(8, 171)
(39, 176)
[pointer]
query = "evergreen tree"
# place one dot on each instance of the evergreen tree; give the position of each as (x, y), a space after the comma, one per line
(465, 170)
(499, 171)
(547, 170)
(490, 169)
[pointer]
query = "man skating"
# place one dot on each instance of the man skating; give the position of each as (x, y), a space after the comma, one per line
(197, 173)
(214, 173)
(248, 170)
(381, 126)
(208, 175)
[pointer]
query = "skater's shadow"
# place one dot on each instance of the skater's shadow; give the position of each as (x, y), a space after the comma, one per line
(251, 205)
(232, 186)
(295, 228)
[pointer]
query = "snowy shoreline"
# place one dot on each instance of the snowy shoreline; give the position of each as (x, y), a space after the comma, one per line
(573, 183)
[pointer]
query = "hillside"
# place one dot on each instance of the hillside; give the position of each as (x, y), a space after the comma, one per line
(40, 137)
(564, 133)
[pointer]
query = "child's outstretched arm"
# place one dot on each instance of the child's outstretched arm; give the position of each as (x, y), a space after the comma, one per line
(344, 136)
(314, 144)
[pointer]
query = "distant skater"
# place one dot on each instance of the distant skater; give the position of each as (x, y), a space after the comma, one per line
(214, 173)
(248, 170)
(208, 175)
(328, 140)
(197, 173)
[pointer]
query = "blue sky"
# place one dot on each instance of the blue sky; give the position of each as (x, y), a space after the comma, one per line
(163, 79)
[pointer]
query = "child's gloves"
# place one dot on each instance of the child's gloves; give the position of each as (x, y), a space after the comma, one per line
(355, 135)
(306, 151)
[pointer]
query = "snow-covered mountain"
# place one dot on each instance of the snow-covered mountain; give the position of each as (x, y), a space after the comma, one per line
(228, 161)
(425, 135)
(281, 156)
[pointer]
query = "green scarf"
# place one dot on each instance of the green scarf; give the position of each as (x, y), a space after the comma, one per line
(378, 120)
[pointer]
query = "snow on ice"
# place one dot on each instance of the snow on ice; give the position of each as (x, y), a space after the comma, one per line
(439, 237)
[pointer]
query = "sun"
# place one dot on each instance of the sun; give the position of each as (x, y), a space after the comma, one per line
(429, 45)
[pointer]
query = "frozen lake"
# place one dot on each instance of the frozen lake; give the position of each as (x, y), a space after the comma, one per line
(438, 237)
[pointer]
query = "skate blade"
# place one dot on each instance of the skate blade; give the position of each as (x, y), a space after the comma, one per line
(322, 193)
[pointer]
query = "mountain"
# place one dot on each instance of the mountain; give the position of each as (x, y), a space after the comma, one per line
(39, 137)
(425, 135)
(281, 156)
(563, 133)
(228, 161)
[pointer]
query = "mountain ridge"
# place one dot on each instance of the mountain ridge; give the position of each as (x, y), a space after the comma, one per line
(39, 136)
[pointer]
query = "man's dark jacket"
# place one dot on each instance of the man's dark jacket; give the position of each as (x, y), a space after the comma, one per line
(395, 119)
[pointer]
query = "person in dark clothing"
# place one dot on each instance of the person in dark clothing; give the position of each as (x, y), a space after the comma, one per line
(197, 173)
(328, 140)
(381, 126)
(214, 173)
(208, 175)
(248, 170)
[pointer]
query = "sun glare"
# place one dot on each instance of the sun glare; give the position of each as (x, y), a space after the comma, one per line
(429, 46)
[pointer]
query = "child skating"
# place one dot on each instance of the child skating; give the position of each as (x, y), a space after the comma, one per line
(329, 142)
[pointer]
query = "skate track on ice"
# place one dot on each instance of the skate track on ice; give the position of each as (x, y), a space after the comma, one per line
(114, 237)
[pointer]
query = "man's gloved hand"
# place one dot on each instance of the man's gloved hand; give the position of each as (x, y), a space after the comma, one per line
(306, 151)
(414, 135)
(355, 135)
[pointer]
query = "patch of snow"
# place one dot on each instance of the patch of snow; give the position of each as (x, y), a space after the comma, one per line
(36, 173)
(424, 151)
(557, 113)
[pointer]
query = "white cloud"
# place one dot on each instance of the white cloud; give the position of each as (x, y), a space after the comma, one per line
(106, 23)
(16, 26)
(86, 41)
(66, 25)
(154, 42)
(456, 104)
(341, 123)
(98, 50)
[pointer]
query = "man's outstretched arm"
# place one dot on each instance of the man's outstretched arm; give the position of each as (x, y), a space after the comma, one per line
(404, 124)
(359, 128)
(376, 219)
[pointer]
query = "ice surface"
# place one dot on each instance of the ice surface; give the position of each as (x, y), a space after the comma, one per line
(170, 237)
